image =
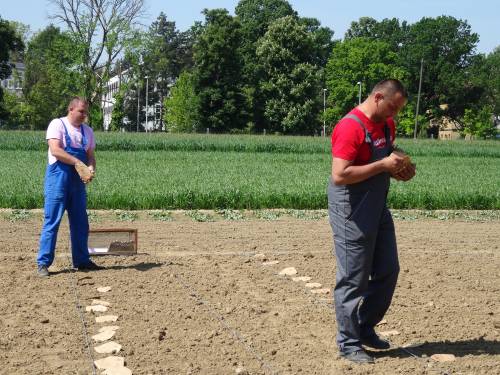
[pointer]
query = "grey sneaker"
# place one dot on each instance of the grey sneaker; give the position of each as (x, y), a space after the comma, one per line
(43, 271)
(358, 356)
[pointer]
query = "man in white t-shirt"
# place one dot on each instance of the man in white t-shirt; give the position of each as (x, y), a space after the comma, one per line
(70, 142)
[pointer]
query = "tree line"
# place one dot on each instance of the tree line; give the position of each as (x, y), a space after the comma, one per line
(265, 69)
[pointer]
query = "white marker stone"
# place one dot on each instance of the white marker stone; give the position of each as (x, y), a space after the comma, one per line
(301, 278)
(103, 336)
(108, 348)
(96, 308)
(106, 318)
(270, 263)
(100, 302)
(241, 371)
(260, 256)
(108, 328)
(320, 291)
(108, 362)
(289, 271)
(104, 289)
(443, 357)
(313, 285)
(389, 333)
(117, 371)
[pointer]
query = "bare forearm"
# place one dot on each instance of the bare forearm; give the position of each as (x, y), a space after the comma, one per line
(357, 173)
(91, 162)
(64, 157)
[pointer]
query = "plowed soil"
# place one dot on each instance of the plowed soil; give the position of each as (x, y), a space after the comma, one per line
(195, 300)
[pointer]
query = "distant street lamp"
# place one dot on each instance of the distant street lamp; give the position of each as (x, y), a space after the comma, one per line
(324, 112)
(359, 95)
(138, 104)
(138, 93)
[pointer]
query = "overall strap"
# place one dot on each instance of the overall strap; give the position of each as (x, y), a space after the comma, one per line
(388, 143)
(66, 134)
(84, 139)
(368, 136)
(68, 138)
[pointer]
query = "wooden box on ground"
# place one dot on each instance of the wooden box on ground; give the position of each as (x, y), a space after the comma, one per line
(113, 241)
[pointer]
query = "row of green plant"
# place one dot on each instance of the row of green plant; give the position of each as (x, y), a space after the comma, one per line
(35, 141)
(17, 215)
(232, 180)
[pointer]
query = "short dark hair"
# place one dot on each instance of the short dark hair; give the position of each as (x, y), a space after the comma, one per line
(75, 100)
(391, 86)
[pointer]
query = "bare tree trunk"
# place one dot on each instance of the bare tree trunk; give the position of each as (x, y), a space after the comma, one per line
(101, 29)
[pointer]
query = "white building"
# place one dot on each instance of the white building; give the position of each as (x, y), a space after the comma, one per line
(108, 101)
(14, 84)
(108, 97)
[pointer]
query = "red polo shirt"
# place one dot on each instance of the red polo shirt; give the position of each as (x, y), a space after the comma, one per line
(348, 137)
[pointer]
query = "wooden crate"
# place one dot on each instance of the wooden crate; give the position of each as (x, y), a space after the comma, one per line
(113, 241)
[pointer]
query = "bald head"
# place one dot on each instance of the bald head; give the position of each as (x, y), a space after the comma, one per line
(76, 101)
(390, 87)
(78, 109)
(387, 98)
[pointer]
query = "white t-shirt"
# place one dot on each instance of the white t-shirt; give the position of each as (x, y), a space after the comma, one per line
(56, 131)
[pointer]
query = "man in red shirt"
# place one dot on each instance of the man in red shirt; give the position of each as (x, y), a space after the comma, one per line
(364, 236)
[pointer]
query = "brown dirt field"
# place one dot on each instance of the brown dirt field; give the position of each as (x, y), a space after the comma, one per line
(195, 301)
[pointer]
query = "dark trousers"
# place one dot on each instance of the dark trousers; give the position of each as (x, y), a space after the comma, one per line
(367, 265)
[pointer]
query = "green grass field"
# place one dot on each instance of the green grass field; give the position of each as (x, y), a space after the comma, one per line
(162, 171)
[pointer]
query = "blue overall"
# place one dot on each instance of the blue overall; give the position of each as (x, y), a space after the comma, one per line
(365, 251)
(64, 190)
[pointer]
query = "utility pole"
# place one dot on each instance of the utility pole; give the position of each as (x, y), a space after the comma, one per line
(418, 98)
(324, 112)
(359, 95)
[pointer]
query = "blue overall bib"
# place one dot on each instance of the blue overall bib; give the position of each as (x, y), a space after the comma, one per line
(64, 190)
(365, 251)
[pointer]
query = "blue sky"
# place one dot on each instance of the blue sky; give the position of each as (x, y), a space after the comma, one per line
(482, 15)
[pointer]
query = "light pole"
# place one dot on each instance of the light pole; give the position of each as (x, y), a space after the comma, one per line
(140, 62)
(418, 98)
(138, 104)
(324, 112)
(359, 95)
(147, 83)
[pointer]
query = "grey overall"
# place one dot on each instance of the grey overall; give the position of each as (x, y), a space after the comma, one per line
(365, 251)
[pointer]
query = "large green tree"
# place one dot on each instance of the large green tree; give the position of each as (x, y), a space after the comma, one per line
(478, 122)
(217, 72)
(166, 54)
(51, 76)
(391, 31)
(292, 82)
(322, 40)
(10, 42)
(488, 74)
(447, 47)
(182, 106)
(255, 17)
(357, 60)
